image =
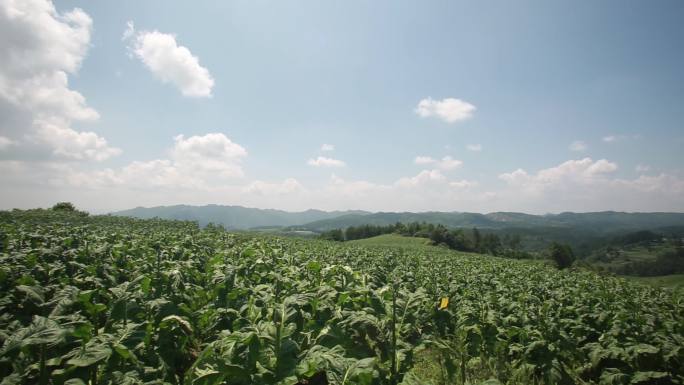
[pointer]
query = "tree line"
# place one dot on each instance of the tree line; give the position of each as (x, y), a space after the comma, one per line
(473, 240)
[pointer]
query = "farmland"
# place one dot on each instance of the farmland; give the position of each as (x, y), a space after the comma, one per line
(113, 300)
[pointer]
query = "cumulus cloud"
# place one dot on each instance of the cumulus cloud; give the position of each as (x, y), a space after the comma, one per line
(72, 144)
(199, 162)
(449, 110)
(578, 146)
(43, 47)
(322, 161)
(5, 143)
(169, 61)
(446, 163)
(327, 147)
(463, 184)
(572, 171)
(575, 185)
(474, 147)
(212, 153)
(428, 190)
(425, 176)
(588, 185)
(424, 160)
(609, 138)
(354, 188)
(663, 184)
(642, 168)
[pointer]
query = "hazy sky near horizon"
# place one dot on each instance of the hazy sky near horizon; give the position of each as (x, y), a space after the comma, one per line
(531, 106)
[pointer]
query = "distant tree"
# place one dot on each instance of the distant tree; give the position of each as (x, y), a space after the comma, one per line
(561, 254)
(477, 240)
(211, 226)
(514, 241)
(491, 244)
(437, 236)
(459, 241)
(64, 206)
(399, 228)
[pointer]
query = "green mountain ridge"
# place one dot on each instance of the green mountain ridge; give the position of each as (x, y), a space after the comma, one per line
(233, 217)
(598, 222)
(243, 218)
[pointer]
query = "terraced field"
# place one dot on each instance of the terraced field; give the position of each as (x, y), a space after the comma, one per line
(107, 300)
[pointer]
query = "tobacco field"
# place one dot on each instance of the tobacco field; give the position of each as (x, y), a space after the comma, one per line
(111, 300)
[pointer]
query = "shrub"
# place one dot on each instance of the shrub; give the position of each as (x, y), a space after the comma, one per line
(64, 206)
(561, 254)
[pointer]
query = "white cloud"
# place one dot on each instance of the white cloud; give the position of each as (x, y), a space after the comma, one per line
(212, 153)
(449, 110)
(5, 142)
(327, 147)
(572, 171)
(42, 48)
(615, 138)
(199, 162)
(463, 184)
(39, 40)
(578, 146)
(170, 62)
(587, 185)
(424, 160)
(428, 190)
(642, 168)
(72, 144)
(446, 163)
(354, 188)
(322, 161)
(575, 185)
(129, 31)
(663, 184)
(425, 176)
(474, 147)
(46, 95)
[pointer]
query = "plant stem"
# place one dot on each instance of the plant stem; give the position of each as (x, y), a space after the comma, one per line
(43, 374)
(393, 373)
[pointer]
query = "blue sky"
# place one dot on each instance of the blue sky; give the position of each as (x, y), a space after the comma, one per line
(565, 106)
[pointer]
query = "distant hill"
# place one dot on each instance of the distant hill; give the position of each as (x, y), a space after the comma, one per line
(598, 222)
(238, 217)
(234, 217)
(383, 219)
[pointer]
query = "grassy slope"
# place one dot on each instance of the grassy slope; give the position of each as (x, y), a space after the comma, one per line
(672, 281)
(394, 240)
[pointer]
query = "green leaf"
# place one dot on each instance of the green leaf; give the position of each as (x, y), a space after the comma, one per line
(34, 293)
(74, 381)
(42, 331)
(95, 351)
(651, 378)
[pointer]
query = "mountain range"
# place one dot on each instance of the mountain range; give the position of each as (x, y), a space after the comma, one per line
(244, 218)
(234, 217)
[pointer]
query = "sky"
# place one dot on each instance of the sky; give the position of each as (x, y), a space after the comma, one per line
(529, 106)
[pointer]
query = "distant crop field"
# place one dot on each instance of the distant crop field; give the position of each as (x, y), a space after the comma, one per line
(392, 240)
(674, 281)
(113, 300)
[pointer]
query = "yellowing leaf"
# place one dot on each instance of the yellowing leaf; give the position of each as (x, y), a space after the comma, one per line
(443, 303)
